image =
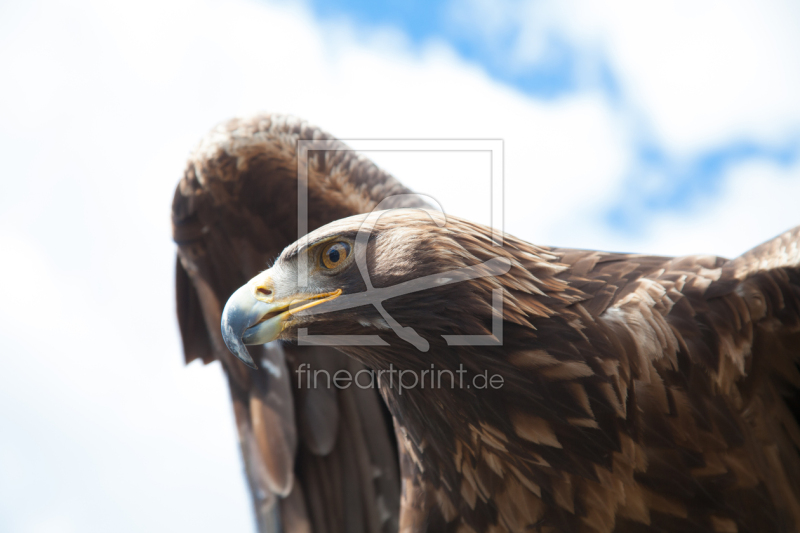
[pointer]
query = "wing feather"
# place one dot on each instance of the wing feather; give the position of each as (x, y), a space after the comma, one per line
(233, 212)
(713, 348)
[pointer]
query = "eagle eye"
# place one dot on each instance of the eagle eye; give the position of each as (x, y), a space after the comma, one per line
(334, 254)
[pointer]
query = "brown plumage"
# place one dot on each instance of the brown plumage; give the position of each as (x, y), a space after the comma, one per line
(639, 393)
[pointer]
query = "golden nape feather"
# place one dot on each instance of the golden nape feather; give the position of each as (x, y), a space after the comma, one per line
(620, 392)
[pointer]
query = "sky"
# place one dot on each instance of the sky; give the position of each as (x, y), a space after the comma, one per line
(670, 129)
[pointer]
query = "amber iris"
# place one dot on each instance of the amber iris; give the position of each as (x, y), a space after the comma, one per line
(334, 254)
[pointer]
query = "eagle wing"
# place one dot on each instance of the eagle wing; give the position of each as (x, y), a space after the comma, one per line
(640, 393)
(318, 458)
(685, 371)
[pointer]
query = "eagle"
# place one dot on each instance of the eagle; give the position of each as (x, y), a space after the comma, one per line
(583, 391)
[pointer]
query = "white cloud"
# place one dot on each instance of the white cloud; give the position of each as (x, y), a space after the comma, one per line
(706, 72)
(103, 426)
(700, 73)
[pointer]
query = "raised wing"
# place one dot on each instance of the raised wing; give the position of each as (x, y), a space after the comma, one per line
(317, 459)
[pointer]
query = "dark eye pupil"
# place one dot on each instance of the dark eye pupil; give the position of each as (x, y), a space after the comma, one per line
(335, 254)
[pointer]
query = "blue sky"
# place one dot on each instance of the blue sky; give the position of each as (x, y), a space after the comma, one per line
(683, 182)
(565, 67)
(668, 128)
(421, 22)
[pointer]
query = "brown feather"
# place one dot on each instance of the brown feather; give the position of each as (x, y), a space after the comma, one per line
(229, 226)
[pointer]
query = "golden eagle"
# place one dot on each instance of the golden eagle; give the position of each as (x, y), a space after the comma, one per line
(634, 393)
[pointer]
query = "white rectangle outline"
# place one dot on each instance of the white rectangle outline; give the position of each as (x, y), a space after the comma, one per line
(496, 209)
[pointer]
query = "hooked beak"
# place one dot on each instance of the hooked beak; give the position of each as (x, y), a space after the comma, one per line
(253, 316)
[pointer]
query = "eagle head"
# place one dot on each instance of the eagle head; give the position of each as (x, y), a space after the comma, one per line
(400, 269)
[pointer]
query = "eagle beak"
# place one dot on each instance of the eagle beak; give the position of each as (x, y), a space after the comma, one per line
(252, 316)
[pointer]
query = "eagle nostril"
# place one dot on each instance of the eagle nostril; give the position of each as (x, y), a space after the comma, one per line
(264, 292)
